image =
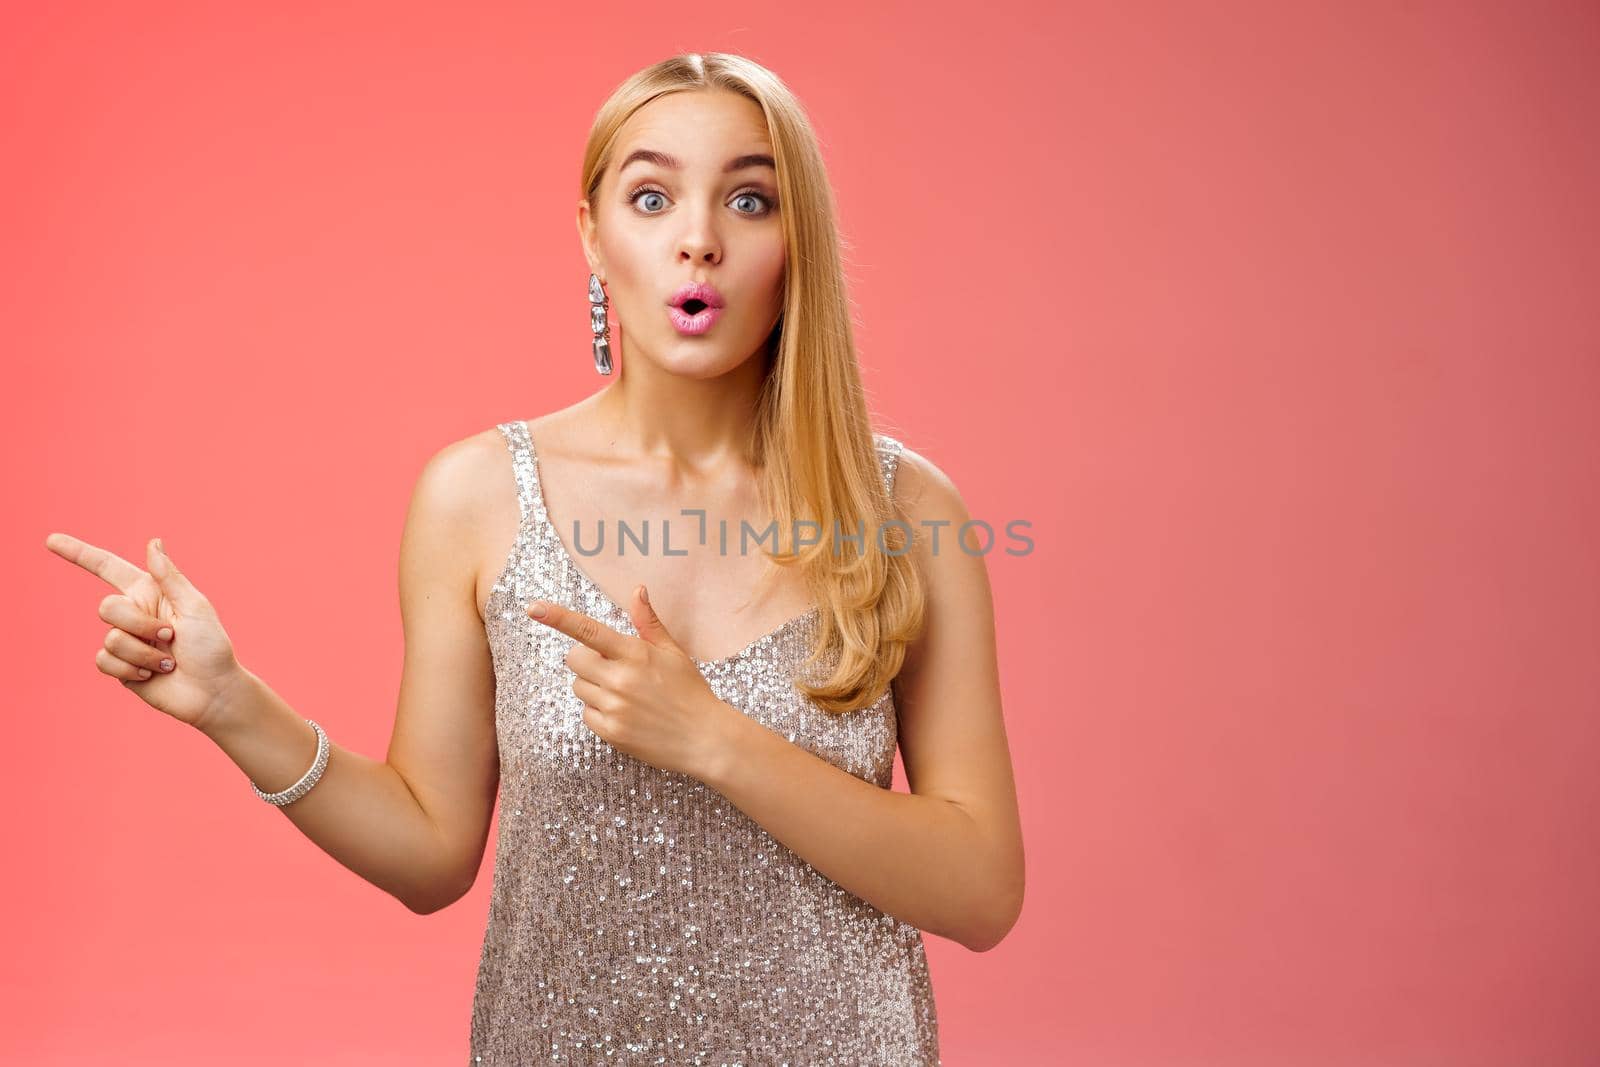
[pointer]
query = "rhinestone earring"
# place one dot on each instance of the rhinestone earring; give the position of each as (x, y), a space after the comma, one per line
(602, 329)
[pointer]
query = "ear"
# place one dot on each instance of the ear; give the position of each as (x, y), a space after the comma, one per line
(586, 227)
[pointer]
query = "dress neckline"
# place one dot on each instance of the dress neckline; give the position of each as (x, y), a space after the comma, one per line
(547, 527)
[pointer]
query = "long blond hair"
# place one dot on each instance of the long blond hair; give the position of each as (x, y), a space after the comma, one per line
(813, 438)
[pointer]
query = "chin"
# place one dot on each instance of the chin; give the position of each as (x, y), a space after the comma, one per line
(694, 357)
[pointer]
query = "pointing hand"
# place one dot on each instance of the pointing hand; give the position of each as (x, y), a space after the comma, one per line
(157, 615)
(643, 695)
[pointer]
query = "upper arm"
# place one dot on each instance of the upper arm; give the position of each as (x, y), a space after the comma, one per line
(444, 744)
(947, 694)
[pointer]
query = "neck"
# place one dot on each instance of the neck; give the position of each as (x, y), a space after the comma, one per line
(698, 424)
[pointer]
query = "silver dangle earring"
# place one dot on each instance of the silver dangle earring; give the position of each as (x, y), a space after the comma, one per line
(601, 328)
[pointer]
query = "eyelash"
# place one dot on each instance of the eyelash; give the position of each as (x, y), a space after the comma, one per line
(768, 201)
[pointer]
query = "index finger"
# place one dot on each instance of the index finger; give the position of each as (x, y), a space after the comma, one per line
(107, 566)
(575, 624)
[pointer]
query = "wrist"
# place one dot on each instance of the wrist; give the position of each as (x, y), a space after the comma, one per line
(231, 704)
(726, 741)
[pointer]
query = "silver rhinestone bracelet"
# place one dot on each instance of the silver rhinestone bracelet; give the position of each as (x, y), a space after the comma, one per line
(309, 779)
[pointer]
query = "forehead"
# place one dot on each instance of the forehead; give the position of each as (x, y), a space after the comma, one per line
(703, 128)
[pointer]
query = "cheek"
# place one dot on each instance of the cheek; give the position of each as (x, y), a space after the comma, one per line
(629, 278)
(770, 267)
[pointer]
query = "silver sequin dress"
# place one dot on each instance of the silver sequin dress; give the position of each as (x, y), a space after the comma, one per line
(639, 917)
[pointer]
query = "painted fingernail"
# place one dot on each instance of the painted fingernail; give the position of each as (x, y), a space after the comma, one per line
(165, 633)
(536, 609)
(166, 664)
(143, 672)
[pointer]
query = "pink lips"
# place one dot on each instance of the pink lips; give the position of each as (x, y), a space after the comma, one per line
(699, 322)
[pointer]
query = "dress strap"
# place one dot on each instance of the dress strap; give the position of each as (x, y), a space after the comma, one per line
(889, 450)
(521, 446)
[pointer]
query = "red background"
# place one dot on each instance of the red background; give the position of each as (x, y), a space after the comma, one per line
(1277, 321)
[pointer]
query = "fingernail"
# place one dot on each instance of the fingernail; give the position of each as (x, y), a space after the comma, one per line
(143, 673)
(644, 594)
(165, 633)
(536, 609)
(166, 664)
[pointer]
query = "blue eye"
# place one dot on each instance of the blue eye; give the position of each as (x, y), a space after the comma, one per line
(766, 208)
(638, 194)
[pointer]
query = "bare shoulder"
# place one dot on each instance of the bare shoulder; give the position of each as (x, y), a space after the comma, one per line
(930, 499)
(463, 510)
(954, 572)
(459, 477)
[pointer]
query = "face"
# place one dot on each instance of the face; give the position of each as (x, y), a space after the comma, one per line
(655, 227)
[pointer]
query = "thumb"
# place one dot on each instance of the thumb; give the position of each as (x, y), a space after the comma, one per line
(175, 585)
(648, 623)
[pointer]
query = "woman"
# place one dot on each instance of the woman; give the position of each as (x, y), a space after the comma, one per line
(699, 857)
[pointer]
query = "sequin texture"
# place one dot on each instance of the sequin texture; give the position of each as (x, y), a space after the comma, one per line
(637, 916)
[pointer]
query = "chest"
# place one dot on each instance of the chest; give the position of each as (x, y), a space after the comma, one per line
(709, 579)
(545, 743)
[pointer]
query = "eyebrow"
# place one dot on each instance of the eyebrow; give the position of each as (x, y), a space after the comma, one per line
(662, 159)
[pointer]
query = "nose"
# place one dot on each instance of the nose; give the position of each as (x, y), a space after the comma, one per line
(700, 252)
(699, 243)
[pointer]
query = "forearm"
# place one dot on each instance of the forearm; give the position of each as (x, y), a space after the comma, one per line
(921, 859)
(360, 812)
